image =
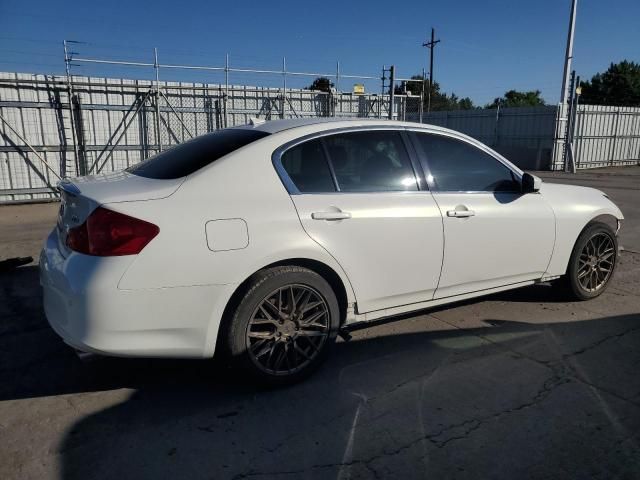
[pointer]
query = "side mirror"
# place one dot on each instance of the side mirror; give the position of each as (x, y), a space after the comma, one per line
(530, 183)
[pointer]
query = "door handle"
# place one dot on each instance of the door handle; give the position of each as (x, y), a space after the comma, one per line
(339, 215)
(460, 212)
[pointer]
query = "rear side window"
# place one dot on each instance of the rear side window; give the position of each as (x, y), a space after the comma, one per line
(374, 161)
(308, 169)
(191, 156)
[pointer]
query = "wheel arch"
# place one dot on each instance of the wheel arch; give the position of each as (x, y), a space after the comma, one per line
(571, 280)
(325, 271)
(608, 219)
(571, 222)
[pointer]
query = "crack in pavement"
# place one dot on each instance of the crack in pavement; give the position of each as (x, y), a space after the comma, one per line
(600, 342)
(547, 388)
(468, 427)
(549, 364)
(253, 473)
(561, 376)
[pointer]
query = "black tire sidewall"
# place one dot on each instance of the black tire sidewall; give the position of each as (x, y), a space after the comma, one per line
(264, 284)
(572, 269)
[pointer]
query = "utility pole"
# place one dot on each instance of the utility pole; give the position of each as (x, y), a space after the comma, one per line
(569, 53)
(431, 45)
(392, 88)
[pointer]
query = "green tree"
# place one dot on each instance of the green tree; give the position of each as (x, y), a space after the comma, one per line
(514, 98)
(619, 85)
(322, 84)
(439, 100)
(466, 104)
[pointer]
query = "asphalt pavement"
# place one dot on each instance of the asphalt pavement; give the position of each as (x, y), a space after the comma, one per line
(518, 385)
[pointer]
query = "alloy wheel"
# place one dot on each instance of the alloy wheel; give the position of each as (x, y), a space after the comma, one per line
(596, 262)
(288, 329)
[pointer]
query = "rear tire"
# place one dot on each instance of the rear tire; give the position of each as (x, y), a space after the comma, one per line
(284, 326)
(592, 263)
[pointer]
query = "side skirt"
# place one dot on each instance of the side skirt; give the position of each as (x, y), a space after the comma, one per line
(358, 319)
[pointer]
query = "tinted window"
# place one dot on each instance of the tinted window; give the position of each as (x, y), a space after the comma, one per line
(370, 162)
(307, 167)
(457, 166)
(188, 157)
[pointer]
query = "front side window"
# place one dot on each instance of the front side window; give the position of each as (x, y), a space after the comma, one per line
(457, 166)
(373, 161)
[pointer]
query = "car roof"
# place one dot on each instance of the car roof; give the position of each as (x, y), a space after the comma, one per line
(323, 124)
(276, 126)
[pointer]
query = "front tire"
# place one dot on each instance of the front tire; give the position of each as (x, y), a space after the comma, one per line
(284, 326)
(592, 262)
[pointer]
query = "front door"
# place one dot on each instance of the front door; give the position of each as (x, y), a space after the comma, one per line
(358, 198)
(494, 235)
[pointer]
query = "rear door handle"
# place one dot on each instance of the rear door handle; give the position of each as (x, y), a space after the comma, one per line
(339, 215)
(460, 213)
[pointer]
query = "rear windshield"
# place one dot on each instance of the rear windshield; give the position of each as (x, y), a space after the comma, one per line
(188, 157)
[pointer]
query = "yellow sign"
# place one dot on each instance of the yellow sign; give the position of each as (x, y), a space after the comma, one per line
(358, 88)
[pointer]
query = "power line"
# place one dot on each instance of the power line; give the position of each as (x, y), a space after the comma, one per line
(28, 52)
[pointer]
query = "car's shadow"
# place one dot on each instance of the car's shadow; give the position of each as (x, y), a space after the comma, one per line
(37, 363)
(509, 400)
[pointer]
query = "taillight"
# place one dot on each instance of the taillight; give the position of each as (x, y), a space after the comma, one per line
(107, 233)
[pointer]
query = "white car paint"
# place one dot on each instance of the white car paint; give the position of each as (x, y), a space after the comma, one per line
(369, 247)
(519, 231)
(227, 234)
(398, 251)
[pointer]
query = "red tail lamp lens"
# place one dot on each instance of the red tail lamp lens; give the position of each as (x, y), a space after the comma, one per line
(107, 233)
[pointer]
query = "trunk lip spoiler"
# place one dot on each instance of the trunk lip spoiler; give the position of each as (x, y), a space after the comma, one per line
(68, 187)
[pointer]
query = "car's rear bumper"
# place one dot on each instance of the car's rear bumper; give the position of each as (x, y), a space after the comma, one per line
(84, 305)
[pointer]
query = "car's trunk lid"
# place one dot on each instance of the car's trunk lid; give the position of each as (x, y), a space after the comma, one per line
(123, 187)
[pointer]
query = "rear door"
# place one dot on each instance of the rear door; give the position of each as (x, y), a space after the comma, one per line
(357, 195)
(494, 235)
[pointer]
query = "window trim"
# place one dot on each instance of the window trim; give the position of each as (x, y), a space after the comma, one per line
(276, 159)
(424, 160)
(327, 158)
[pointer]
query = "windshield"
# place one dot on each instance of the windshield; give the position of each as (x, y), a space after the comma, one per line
(191, 156)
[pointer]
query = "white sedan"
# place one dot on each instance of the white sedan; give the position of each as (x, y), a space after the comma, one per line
(263, 242)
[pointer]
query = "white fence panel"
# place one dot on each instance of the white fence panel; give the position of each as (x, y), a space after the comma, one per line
(114, 123)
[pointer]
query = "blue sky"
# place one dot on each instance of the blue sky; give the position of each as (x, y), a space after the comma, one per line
(487, 46)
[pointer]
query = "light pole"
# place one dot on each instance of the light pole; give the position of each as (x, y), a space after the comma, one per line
(569, 53)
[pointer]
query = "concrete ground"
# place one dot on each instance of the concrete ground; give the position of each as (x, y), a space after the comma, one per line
(517, 385)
